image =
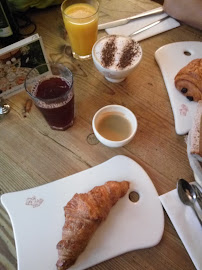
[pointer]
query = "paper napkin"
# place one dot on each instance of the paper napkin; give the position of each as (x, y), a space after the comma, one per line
(135, 25)
(186, 224)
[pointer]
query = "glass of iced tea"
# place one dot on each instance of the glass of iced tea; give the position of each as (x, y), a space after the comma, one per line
(81, 22)
(51, 88)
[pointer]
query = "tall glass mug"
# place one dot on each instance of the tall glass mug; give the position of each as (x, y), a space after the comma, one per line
(51, 88)
(81, 22)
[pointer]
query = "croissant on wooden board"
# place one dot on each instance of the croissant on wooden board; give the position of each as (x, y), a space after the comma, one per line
(83, 214)
(189, 80)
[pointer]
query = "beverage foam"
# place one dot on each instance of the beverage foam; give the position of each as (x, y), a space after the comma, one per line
(80, 11)
(117, 52)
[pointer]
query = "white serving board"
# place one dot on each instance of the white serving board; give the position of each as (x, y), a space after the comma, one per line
(37, 216)
(171, 58)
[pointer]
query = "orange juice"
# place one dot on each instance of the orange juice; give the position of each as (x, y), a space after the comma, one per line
(81, 22)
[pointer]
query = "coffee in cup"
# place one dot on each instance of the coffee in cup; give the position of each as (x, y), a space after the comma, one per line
(116, 56)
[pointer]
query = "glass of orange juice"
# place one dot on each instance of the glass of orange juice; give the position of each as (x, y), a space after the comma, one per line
(81, 22)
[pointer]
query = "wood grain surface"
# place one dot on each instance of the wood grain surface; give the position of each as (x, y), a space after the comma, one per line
(32, 154)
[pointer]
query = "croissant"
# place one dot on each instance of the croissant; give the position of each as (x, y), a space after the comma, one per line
(189, 80)
(83, 214)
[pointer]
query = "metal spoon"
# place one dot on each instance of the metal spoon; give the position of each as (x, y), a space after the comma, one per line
(149, 26)
(187, 195)
(4, 109)
(198, 195)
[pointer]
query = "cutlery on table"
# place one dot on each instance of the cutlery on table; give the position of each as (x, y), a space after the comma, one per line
(149, 26)
(187, 195)
(4, 108)
(198, 195)
(126, 20)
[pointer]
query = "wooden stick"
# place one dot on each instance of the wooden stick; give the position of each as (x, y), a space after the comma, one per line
(27, 107)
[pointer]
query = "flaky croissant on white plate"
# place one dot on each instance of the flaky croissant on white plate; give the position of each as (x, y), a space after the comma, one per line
(83, 214)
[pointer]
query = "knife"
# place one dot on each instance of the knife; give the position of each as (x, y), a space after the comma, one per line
(126, 20)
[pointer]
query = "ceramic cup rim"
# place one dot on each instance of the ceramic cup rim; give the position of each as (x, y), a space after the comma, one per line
(115, 108)
(114, 70)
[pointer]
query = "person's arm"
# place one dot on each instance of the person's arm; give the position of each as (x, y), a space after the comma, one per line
(187, 11)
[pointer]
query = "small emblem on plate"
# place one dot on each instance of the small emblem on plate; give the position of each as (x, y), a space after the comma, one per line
(183, 110)
(34, 202)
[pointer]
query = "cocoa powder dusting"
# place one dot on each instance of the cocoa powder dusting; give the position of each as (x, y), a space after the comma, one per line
(130, 50)
(108, 53)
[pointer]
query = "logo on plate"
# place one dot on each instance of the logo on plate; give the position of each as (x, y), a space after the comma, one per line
(34, 202)
(184, 110)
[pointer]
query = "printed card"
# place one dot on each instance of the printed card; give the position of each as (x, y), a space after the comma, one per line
(17, 60)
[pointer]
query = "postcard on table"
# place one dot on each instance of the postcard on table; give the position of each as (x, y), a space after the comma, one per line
(17, 60)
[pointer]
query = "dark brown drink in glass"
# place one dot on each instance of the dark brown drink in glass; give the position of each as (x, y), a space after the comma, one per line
(53, 95)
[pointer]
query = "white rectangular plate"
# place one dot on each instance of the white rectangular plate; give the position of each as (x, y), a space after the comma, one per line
(37, 216)
(171, 58)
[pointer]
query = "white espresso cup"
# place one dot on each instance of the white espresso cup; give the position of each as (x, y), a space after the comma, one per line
(114, 125)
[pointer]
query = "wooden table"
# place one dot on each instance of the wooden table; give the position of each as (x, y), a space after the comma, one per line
(31, 154)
